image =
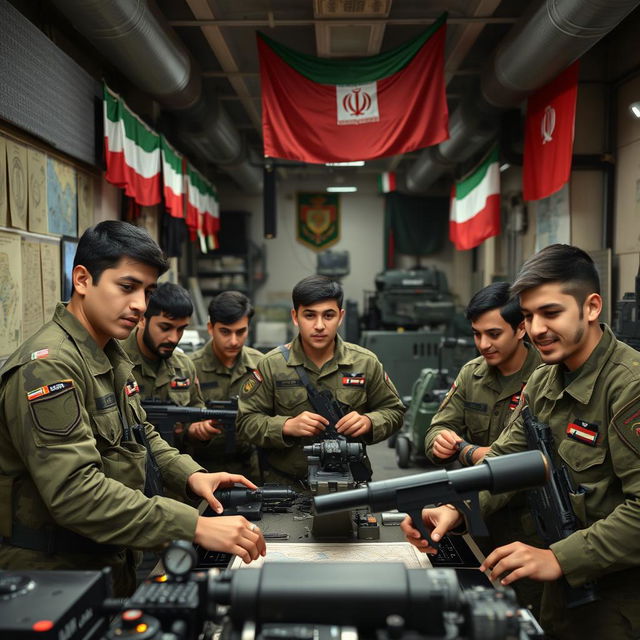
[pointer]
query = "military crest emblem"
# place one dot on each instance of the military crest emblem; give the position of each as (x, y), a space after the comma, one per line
(318, 220)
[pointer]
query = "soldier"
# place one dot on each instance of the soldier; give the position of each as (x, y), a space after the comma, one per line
(72, 466)
(590, 398)
(274, 409)
(478, 406)
(162, 372)
(223, 365)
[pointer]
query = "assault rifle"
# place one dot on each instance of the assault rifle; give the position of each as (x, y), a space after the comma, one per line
(163, 416)
(252, 503)
(551, 504)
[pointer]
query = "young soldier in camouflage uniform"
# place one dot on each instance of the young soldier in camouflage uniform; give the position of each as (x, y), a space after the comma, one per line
(162, 372)
(590, 397)
(478, 406)
(223, 365)
(71, 470)
(275, 412)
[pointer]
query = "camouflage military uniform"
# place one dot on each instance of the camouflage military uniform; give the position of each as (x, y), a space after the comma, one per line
(218, 382)
(275, 393)
(69, 480)
(595, 421)
(478, 408)
(173, 380)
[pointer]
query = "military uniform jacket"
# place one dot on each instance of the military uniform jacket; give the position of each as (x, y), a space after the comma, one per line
(595, 421)
(175, 381)
(477, 408)
(63, 457)
(218, 382)
(274, 393)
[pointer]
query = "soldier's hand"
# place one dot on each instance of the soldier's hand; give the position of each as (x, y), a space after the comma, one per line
(519, 560)
(203, 430)
(232, 534)
(353, 424)
(445, 444)
(438, 521)
(305, 424)
(204, 484)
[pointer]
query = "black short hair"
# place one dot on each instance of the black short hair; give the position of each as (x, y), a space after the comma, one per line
(229, 307)
(563, 263)
(316, 288)
(496, 296)
(105, 244)
(170, 299)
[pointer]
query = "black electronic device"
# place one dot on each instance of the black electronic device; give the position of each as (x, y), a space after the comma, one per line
(459, 487)
(252, 503)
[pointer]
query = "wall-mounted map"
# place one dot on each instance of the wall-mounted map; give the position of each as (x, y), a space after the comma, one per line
(3, 182)
(37, 162)
(17, 170)
(62, 201)
(10, 293)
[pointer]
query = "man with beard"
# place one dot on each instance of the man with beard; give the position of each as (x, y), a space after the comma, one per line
(162, 372)
(589, 395)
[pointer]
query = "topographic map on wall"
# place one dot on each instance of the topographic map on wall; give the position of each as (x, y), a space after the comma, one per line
(17, 170)
(10, 293)
(37, 164)
(31, 288)
(3, 182)
(62, 199)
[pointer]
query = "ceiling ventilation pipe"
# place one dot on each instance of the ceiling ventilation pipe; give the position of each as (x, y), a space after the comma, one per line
(546, 40)
(137, 41)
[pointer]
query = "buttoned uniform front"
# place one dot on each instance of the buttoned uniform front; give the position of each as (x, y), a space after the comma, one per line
(173, 380)
(603, 398)
(218, 382)
(66, 465)
(269, 398)
(477, 408)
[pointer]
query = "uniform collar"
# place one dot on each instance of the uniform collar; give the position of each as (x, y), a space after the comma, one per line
(582, 387)
(490, 373)
(297, 356)
(95, 357)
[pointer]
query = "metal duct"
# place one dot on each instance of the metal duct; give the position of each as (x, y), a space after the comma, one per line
(136, 40)
(546, 40)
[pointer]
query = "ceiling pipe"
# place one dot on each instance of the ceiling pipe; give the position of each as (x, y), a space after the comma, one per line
(136, 39)
(545, 40)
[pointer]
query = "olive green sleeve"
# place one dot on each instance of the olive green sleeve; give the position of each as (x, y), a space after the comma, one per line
(256, 422)
(450, 416)
(57, 445)
(611, 543)
(196, 399)
(386, 408)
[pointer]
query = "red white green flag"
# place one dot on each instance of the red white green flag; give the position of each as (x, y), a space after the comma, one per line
(475, 205)
(173, 179)
(203, 211)
(325, 110)
(387, 182)
(132, 152)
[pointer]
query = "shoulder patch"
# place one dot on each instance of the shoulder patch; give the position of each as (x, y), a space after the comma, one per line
(180, 383)
(131, 388)
(55, 408)
(42, 353)
(258, 375)
(250, 385)
(627, 425)
(447, 398)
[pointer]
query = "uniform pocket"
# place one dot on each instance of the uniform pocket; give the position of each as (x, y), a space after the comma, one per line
(581, 457)
(293, 401)
(126, 463)
(107, 427)
(355, 398)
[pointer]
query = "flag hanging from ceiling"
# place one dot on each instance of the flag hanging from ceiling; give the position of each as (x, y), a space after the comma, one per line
(387, 182)
(203, 212)
(475, 205)
(173, 179)
(132, 152)
(320, 110)
(548, 140)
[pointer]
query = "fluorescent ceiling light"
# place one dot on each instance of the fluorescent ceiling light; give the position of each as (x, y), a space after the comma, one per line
(353, 163)
(341, 189)
(634, 107)
(504, 167)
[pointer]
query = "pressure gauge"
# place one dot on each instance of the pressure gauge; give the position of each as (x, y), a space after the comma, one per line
(179, 558)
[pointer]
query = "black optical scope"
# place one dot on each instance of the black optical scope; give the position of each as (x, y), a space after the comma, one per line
(460, 487)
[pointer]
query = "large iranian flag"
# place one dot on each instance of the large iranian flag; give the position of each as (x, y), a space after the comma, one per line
(475, 205)
(173, 179)
(132, 152)
(203, 211)
(321, 110)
